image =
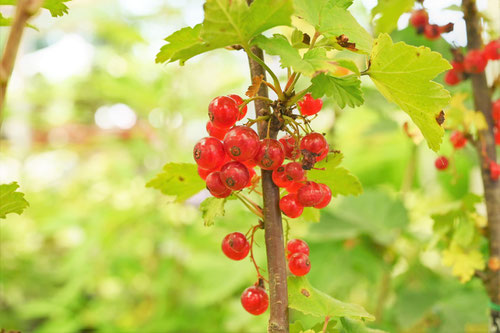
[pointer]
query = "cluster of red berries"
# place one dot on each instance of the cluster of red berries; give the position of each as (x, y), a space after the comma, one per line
(298, 257)
(473, 62)
(496, 118)
(420, 20)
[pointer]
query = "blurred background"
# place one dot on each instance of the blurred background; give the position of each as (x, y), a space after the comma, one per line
(90, 118)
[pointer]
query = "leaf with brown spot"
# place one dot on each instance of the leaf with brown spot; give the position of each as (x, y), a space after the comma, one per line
(440, 118)
(254, 88)
(180, 180)
(343, 41)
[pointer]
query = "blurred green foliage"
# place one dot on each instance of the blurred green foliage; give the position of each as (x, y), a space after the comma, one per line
(97, 251)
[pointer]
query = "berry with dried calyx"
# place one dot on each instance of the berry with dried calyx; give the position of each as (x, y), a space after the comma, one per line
(241, 143)
(270, 155)
(223, 112)
(235, 246)
(255, 300)
(290, 206)
(294, 171)
(432, 31)
(234, 175)
(314, 143)
(296, 246)
(299, 264)
(279, 177)
(209, 153)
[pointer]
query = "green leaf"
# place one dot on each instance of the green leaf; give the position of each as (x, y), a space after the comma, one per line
(403, 74)
(212, 208)
(311, 301)
(343, 90)
(313, 62)
(356, 326)
(463, 262)
(178, 179)
(332, 19)
(56, 7)
(229, 22)
(11, 201)
(339, 179)
(390, 11)
(310, 214)
(183, 45)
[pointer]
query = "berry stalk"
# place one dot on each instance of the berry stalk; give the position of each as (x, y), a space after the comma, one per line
(273, 228)
(482, 101)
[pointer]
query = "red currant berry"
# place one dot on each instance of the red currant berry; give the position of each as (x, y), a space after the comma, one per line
(223, 194)
(497, 137)
(496, 110)
(292, 151)
(209, 153)
(203, 173)
(310, 194)
(294, 187)
(452, 77)
(296, 246)
(294, 171)
(241, 143)
(458, 66)
(432, 31)
(327, 197)
(441, 163)
(234, 175)
(309, 106)
(323, 154)
(216, 132)
(290, 206)
(255, 300)
(299, 264)
(314, 142)
(458, 140)
(475, 62)
(239, 101)
(223, 112)
(270, 155)
(250, 164)
(419, 18)
(279, 177)
(492, 50)
(235, 246)
(494, 170)
(215, 184)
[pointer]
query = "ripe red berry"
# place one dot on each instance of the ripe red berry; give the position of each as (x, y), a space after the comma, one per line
(223, 112)
(296, 246)
(497, 136)
(279, 177)
(234, 175)
(310, 194)
(294, 187)
(492, 50)
(270, 155)
(419, 18)
(216, 132)
(432, 31)
(294, 171)
(323, 154)
(290, 206)
(309, 106)
(441, 163)
(241, 143)
(452, 77)
(239, 101)
(475, 62)
(458, 66)
(299, 264)
(327, 197)
(458, 140)
(496, 110)
(209, 153)
(494, 170)
(292, 151)
(215, 184)
(255, 300)
(203, 173)
(313, 142)
(235, 246)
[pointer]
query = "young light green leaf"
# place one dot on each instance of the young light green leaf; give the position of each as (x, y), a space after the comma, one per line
(311, 301)
(183, 45)
(403, 74)
(178, 179)
(389, 12)
(343, 90)
(229, 22)
(56, 7)
(212, 208)
(355, 326)
(332, 19)
(11, 201)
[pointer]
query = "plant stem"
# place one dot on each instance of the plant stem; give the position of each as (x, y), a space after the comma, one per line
(273, 228)
(24, 10)
(482, 102)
